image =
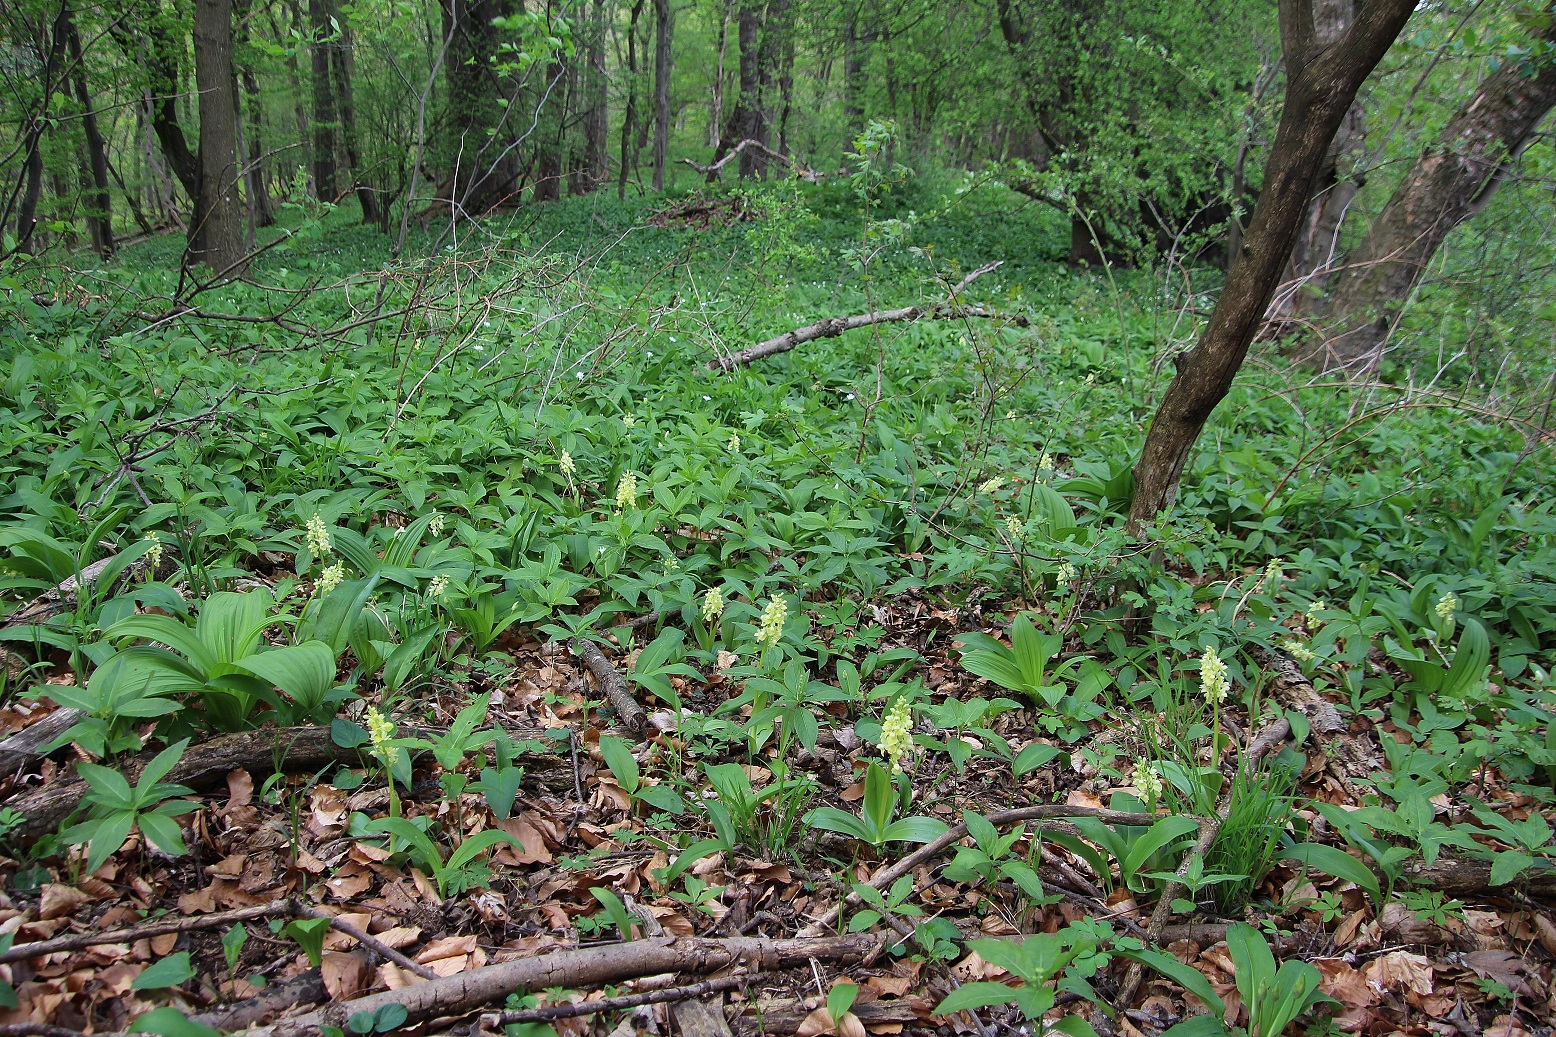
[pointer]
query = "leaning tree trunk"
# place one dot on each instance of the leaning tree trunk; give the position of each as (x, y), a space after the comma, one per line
(258, 182)
(629, 120)
(745, 118)
(1321, 85)
(216, 231)
(1451, 182)
(661, 90)
(99, 218)
(595, 86)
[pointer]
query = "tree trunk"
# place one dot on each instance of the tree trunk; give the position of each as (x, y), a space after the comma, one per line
(1313, 257)
(258, 183)
(32, 192)
(485, 171)
(853, 70)
(716, 112)
(216, 230)
(597, 118)
(321, 33)
(661, 90)
(745, 118)
(99, 202)
(629, 121)
(343, 67)
(294, 72)
(151, 46)
(51, 46)
(1450, 183)
(1321, 85)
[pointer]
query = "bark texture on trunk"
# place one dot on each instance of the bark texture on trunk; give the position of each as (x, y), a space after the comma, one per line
(1321, 85)
(343, 70)
(630, 119)
(153, 48)
(258, 182)
(485, 171)
(661, 90)
(746, 121)
(216, 231)
(1449, 184)
(324, 115)
(99, 217)
(596, 117)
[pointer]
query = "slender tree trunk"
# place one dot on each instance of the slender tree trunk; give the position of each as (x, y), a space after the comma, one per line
(629, 121)
(853, 70)
(1449, 184)
(156, 51)
(51, 46)
(343, 66)
(321, 32)
(1321, 85)
(661, 90)
(258, 182)
(597, 119)
(99, 202)
(216, 231)
(32, 193)
(716, 113)
(295, 74)
(785, 75)
(745, 118)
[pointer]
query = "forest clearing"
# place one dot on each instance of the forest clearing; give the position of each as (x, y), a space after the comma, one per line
(671, 518)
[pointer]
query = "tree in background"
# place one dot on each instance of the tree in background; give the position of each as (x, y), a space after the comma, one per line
(216, 226)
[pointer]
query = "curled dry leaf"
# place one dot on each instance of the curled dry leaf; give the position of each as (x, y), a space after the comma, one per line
(1399, 971)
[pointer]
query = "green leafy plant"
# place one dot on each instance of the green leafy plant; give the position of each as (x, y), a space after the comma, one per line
(114, 808)
(1026, 667)
(875, 824)
(460, 871)
(624, 767)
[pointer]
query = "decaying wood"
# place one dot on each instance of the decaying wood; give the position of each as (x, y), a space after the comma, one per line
(306, 988)
(754, 145)
(1349, 756)
(581, 968)
(612, 685)
(1464, 878)
(22, 748)
(262, 751)
(701, 1018)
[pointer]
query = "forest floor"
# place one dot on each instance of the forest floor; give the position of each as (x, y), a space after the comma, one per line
(439, 512)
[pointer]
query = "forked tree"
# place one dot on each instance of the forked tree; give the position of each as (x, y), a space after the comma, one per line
(1321, 83)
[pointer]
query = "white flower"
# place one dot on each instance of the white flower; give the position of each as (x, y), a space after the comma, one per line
(897, 734)
(712, 605)
(1314, 620)
(1213, 683)
(437, 586)
(1066, 573)
(318, 537)
(627, 491)
(1447, 605)
(1013, 527)
(992, 485)
(770, 628)
(329, 579)
(1047, 462)
(1298, 651)
(435, 524)
(154, 553)
(1146, 781)
(630, 421)
(734, 443)
(565, 465)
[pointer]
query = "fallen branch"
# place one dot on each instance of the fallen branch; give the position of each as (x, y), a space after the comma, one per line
(372, 943)
(930, 850)
(574, 1009)
(1208, 829)
(831, 327)
(755, 145)
(612, 685)
(306, 988)
(206, 766)
(782, 1017)
(145, 930)
(578, 968)
(24, 746)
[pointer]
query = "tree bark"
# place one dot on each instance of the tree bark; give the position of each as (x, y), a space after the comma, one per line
(343, 69)
(1321, 85)
(597, 118)
(853, 70)
(661, 90)
(258, 183)
(485, 171)
(1452, 181)
(51, 45)
(100, 203)
(152, 46)
(216, 231)
(745, 118)
(716, 109)
(629, 121)
(321, 31)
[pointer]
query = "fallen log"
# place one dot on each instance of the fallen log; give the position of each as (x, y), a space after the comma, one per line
(611, 683)
(25, 746)
(587, 967)
(306, 988)
(261, 751)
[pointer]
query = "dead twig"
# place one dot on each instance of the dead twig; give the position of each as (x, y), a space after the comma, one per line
(372, 943)
(831, 327)
(612, 685)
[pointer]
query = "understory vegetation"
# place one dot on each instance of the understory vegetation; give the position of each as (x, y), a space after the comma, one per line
(870, 594)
